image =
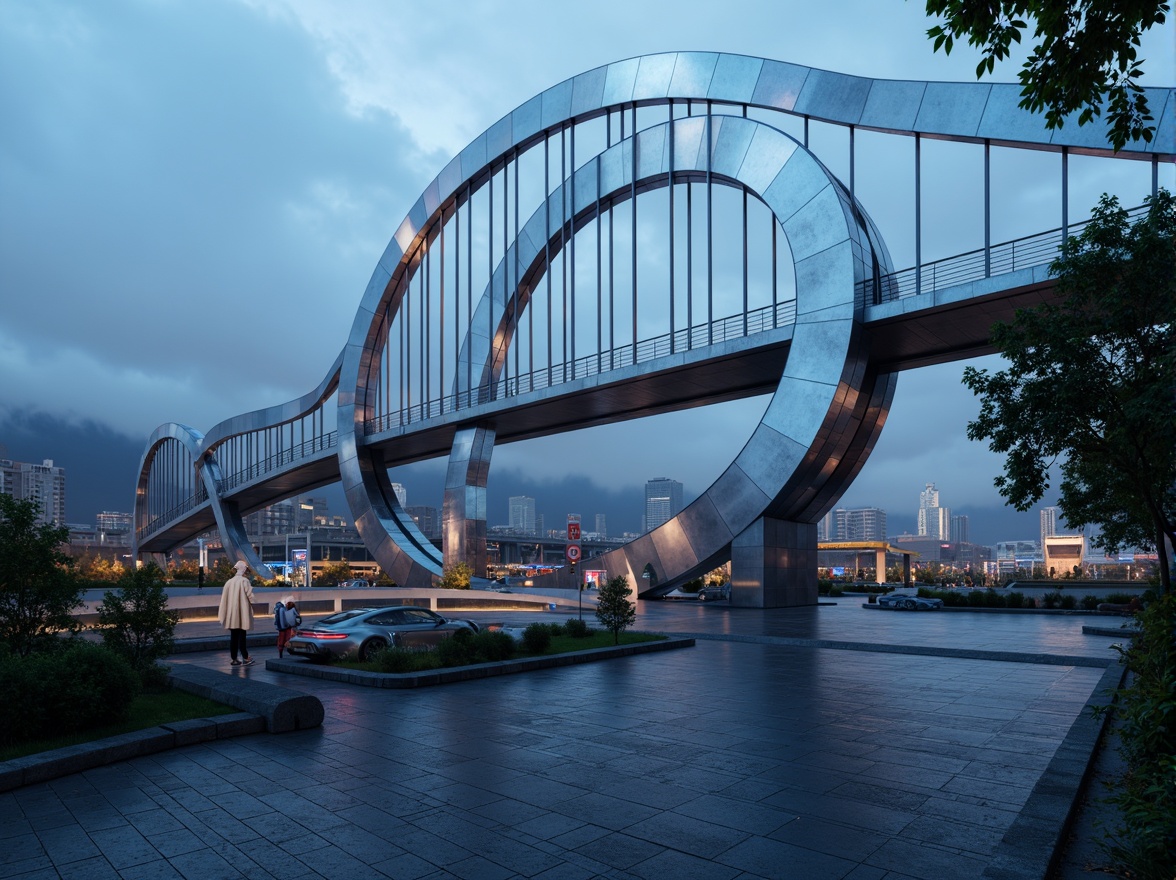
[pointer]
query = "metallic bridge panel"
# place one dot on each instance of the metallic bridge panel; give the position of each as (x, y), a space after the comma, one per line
(830, 358)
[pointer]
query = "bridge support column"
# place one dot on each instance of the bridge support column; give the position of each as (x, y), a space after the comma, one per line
(774, 564)
(880, 566)
(463, 517)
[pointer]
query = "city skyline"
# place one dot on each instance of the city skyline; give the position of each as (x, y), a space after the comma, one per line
(266, 188)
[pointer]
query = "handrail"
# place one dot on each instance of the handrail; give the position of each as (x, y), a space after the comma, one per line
(1020, 253)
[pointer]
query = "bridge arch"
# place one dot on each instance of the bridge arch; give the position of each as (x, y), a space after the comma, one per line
(830, 397)
(825, 407)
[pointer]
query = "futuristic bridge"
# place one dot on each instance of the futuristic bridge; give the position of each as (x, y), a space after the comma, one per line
(648, 236)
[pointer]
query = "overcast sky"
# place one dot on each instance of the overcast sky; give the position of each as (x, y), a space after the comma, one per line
(194, 195)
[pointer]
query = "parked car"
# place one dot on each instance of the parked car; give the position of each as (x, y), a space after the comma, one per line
(714, 594)
(909, 601)
(361, 632)
(354, 583)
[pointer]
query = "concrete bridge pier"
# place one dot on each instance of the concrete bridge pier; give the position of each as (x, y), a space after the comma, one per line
(774, 564)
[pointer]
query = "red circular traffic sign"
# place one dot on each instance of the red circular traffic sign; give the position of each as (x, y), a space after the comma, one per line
(573, 552)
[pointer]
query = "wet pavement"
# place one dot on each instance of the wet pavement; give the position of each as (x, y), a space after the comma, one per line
(828, 742)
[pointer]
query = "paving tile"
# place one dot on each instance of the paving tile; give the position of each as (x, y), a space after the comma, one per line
(682, 866)
(124, 847)
(772, 858)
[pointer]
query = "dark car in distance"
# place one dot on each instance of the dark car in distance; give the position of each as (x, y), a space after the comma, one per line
(360, 632)
(714, 594)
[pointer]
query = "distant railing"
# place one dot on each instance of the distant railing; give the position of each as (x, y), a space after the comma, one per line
(697, 337)
(999, 259)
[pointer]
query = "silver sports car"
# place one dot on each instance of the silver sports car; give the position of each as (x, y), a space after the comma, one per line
(361, 632)
(909, 601)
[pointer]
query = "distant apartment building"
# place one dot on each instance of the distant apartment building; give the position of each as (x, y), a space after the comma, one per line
(288, 517)
(401, 494)
(427, 519)
(601, 526)
(522, 514)
(43, 484)
(663, 501)
(853, 524)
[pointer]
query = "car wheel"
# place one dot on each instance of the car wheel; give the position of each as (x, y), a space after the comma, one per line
(370, 648)
(909, 605)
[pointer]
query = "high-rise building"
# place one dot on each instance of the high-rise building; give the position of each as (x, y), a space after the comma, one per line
(427, 519)
(827, 528)
(663, 501)
(601, 526)
(43, 484)
(401, 494)
(959, 529)
(934, 521)
(522, 514)
(1050, 525)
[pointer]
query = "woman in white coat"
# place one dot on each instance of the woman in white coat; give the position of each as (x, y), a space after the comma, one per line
(236, 614)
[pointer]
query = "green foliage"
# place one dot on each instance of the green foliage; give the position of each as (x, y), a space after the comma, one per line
(614, 610)
(577, 628)
(1051, 599)
(456, 577)
(135, 621)
(1144, 843)
(536, 638)
(332, 574)
(1068, 602)
(221, 571)
(1086, 54)
(38, 588)
(393, 659)
(79, 686)
(1089, 384)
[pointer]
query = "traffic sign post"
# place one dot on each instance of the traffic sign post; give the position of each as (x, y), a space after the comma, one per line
(572, 554)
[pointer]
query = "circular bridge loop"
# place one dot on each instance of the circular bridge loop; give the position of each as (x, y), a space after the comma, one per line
(828, 405)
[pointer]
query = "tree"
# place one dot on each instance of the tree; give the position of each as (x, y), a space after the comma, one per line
(38, 589)
(135, 621)
(1086, 53)
(1091, 384)
(334, 573)
(614, 610)
(456, 577)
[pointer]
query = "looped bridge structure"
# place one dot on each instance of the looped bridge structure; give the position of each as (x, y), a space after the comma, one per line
(652, 235)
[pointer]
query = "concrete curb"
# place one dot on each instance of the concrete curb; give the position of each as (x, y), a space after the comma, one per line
(1032, 847)
(53, 764)
(263, 707)
(281, 709)
(469, 673)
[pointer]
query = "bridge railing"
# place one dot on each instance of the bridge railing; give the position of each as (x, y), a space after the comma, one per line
(999, 259)
(688, 339)
(173, 513)
(276, 462)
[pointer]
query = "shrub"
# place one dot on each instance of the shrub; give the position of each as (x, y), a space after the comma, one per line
(993, 599)
(577, 628)
(536, 638)
(1120, 598)
(135, 620)
(1145, 841)
(1014, 600)
(1069, 601)
(1090, 603)
(79, 687)
(393, 659)
(1051, 599)
(976, 599)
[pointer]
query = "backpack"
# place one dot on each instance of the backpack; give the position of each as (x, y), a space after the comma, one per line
(278, 615)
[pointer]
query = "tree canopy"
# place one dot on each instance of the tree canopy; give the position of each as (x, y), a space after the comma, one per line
(1086, 54)
(1091, 384)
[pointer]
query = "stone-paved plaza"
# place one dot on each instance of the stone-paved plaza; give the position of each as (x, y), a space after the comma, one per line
(824, 742)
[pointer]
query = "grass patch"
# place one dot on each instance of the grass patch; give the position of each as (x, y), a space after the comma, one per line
(400, 660)
(149, 709)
